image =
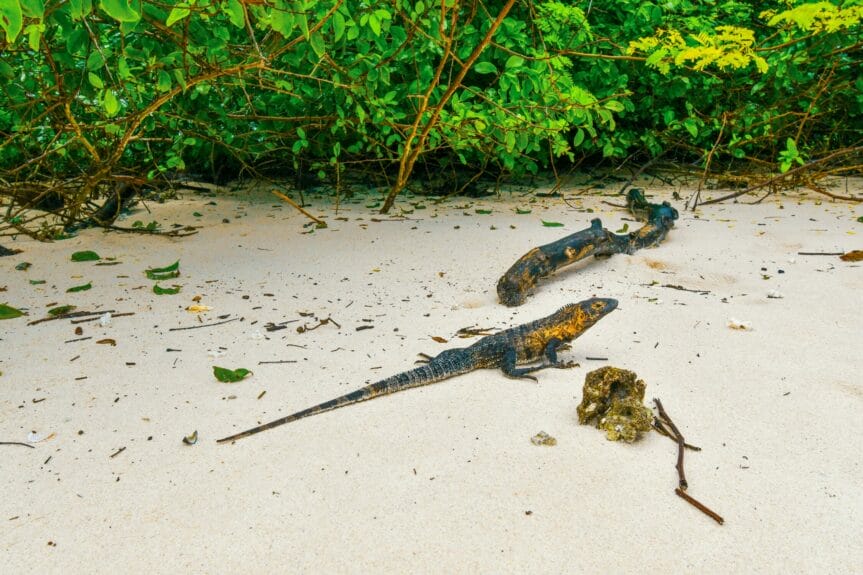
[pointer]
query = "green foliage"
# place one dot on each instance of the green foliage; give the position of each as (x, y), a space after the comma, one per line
(86, 256)
(91, 90)
(226, 375)
(8, 312)
(167, 272)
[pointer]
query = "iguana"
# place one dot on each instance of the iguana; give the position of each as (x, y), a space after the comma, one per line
(505, 350)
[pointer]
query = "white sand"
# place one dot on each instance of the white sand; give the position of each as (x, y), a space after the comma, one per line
(441, 479)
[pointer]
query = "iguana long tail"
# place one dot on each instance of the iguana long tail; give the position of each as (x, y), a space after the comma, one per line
(422, 375)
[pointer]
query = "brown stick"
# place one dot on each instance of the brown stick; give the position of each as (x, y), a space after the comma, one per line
(17, 443)
(70, 315)
(203, 325)
(700, 506)
(297, 207)
(411, 151)
(681, 444)
(659, 426)
(791, 172)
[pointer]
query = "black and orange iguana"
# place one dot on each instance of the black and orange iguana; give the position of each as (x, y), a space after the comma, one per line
(505, 350)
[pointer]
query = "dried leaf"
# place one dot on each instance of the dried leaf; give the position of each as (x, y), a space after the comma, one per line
(108, 341)
(439, 339)
(191, 439)
(852, 256)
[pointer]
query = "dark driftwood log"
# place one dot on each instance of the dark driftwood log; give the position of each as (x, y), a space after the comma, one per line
(541, 262)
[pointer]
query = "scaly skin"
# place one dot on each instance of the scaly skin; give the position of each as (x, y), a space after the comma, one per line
(505, 350)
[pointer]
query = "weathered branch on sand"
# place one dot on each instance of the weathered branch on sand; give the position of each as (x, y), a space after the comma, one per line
(544, 260)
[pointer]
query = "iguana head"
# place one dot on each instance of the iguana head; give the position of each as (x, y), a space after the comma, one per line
(577, 318)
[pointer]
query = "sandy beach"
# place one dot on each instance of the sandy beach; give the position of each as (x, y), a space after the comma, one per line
(444, 478)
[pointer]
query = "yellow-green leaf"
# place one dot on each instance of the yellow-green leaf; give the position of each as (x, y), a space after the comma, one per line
(112, 105)
(177, 14)
(11, 19)
(122, 10)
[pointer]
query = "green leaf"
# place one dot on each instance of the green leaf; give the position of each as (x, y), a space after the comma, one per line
(95, 80)
(95, 60)
(614, 106)
(338, 26)
(86, 256)
(34, 34)
(514, 62)
(111, 104)
(83, 287)
(578, 138)
(235, 13)
(230, 375)
(482, 212)
(23, 266)
(319, 46)
(37, 282)
(61, 310)
(122, 10)
(374, 24)
(11, 19)
(166, 291)
(79, 8)
(485, 68)
(860, 219)
(177, 14)
(522, 212)
(691, 126)
(622, 230)
(33, 8)
(552, 224)
(163, 83)
(164, 273)
(7, 312)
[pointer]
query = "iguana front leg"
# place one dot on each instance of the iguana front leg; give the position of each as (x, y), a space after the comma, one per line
(508, 365)
(553, 346)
